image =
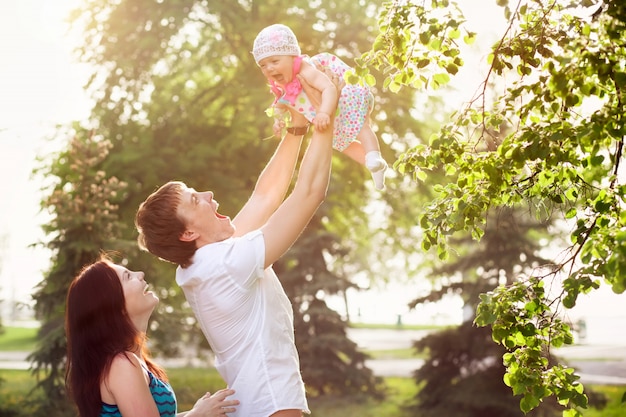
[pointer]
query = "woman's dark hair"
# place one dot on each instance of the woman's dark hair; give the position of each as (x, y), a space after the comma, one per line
(160, 227)
(98, 328)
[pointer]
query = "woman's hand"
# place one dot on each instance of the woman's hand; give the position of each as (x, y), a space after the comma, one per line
(215, 405)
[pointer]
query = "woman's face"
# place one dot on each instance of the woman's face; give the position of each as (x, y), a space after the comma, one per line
(139, 301)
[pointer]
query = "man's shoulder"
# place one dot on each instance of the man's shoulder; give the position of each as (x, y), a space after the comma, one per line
(223, 251)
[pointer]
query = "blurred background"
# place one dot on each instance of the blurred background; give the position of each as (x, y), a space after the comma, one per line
(41, 87)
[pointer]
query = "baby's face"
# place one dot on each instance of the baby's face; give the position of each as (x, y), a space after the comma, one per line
(278, 68)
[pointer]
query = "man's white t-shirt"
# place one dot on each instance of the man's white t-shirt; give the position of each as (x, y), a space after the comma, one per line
(247, 319)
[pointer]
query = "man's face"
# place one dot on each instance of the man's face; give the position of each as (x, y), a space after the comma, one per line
(198, 211)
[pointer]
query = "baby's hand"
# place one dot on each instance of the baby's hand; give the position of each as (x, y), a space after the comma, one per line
(321, 121)
(279, 124)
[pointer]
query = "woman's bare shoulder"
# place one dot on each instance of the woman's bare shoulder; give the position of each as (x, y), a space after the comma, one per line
(125, 370)
(125, 360)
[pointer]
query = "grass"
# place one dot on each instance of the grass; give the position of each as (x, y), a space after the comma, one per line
(15, 391)
(407, 353)
(191, 383)
(614, 408)
(18, 339)
(399, 391)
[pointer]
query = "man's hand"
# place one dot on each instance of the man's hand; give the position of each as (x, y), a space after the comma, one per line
(315, 95)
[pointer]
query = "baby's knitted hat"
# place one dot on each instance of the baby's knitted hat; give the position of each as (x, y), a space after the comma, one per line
(275, 40)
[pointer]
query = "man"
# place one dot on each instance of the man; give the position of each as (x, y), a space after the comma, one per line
(225, 269)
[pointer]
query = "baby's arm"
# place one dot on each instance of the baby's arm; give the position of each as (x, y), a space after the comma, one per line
(320, 81)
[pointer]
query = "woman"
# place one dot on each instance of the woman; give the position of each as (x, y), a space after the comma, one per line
(109, 371)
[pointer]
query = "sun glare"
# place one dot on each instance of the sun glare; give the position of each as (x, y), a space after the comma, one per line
(39, 84)
(40, 87)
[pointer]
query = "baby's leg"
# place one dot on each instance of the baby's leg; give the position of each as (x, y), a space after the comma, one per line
(374, 161)
(355, 151)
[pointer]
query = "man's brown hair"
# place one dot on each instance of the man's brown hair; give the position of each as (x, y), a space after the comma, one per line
(160, 227)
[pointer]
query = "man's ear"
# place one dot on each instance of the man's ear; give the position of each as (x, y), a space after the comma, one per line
(188, 236)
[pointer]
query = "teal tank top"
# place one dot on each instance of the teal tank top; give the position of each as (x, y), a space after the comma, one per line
(162, 393)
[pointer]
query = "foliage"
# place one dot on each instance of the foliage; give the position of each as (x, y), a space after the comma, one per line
(415, 45)
(555, 138)
(464, 368)
(82, 203)
(463, 377)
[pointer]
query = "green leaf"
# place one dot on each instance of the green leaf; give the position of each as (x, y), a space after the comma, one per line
(470, 38)
(571, 194)
(351, 77)
(370, 80)
(557, 198)
(441, 78)
(571, 412)
(424, 37)
(435, 44)
(528, 402)
(394, 87)
(452, 69)
(596, 160)
(423, 63)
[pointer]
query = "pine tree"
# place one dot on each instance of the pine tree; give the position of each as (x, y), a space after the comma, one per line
(464, 374)
(82, 202)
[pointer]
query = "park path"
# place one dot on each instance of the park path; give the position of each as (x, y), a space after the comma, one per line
(596, 363)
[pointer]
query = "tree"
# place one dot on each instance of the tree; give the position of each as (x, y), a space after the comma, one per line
(82, 201)
(561, 68)
(463, 375)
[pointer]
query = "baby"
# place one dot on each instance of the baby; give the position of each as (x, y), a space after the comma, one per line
(277, 53)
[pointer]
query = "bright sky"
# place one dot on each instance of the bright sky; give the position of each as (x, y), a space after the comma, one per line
(40, 86)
